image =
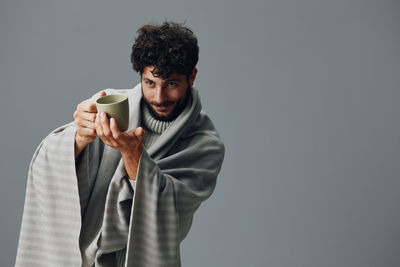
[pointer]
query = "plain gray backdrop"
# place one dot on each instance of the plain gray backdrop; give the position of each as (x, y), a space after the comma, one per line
(305, 95)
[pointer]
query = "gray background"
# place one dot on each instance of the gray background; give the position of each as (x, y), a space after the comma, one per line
(305, 95)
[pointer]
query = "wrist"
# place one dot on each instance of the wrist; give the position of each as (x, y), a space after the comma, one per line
(133, 154)
(131, 161)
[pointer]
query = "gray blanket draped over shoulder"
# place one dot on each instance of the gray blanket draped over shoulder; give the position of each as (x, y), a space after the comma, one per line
(175, 175)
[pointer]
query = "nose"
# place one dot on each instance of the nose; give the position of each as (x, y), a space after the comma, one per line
(159, 95)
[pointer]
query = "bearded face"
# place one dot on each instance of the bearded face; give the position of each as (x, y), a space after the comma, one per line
(166, 98)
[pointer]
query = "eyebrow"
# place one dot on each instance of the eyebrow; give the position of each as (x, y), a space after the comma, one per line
(167, 80)
(173, 80)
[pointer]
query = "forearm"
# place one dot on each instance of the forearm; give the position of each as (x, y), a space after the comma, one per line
(131, 162)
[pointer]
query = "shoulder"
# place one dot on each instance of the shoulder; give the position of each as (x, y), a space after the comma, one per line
(200, 147)
(130, 91)
(202, 125)
(57, 146)
(203, 135)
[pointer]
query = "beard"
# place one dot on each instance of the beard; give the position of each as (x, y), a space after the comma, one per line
(176, 111)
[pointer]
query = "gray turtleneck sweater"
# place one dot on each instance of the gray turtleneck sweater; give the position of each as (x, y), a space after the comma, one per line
(153, 127)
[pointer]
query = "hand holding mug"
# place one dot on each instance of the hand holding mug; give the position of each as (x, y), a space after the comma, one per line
(85, 116)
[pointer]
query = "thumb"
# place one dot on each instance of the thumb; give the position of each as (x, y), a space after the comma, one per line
(102, 93)
(139, 132)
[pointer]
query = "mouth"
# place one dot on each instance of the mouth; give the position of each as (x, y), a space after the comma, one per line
(162, 108)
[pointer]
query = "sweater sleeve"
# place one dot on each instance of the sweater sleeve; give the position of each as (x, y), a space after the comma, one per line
(133, 184)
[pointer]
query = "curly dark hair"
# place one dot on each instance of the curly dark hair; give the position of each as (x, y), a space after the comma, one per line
(170, 47)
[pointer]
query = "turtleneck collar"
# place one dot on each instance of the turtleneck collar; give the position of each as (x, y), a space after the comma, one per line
(152, 123)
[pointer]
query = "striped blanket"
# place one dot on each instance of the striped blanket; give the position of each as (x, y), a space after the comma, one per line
(175, 175)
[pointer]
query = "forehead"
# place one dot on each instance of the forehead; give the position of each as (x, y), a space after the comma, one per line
(147, 73)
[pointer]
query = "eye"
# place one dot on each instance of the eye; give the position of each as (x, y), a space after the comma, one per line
(149, 82)
(171, 84)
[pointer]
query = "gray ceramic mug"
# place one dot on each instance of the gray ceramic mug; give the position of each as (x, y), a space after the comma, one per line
(116, 106)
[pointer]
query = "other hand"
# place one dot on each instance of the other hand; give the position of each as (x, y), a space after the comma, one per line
(85, 116)
(128, 143)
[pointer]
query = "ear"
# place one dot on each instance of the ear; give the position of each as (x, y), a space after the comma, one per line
(192, 76)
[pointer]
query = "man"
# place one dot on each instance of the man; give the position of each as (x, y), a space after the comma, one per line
(97, 196)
